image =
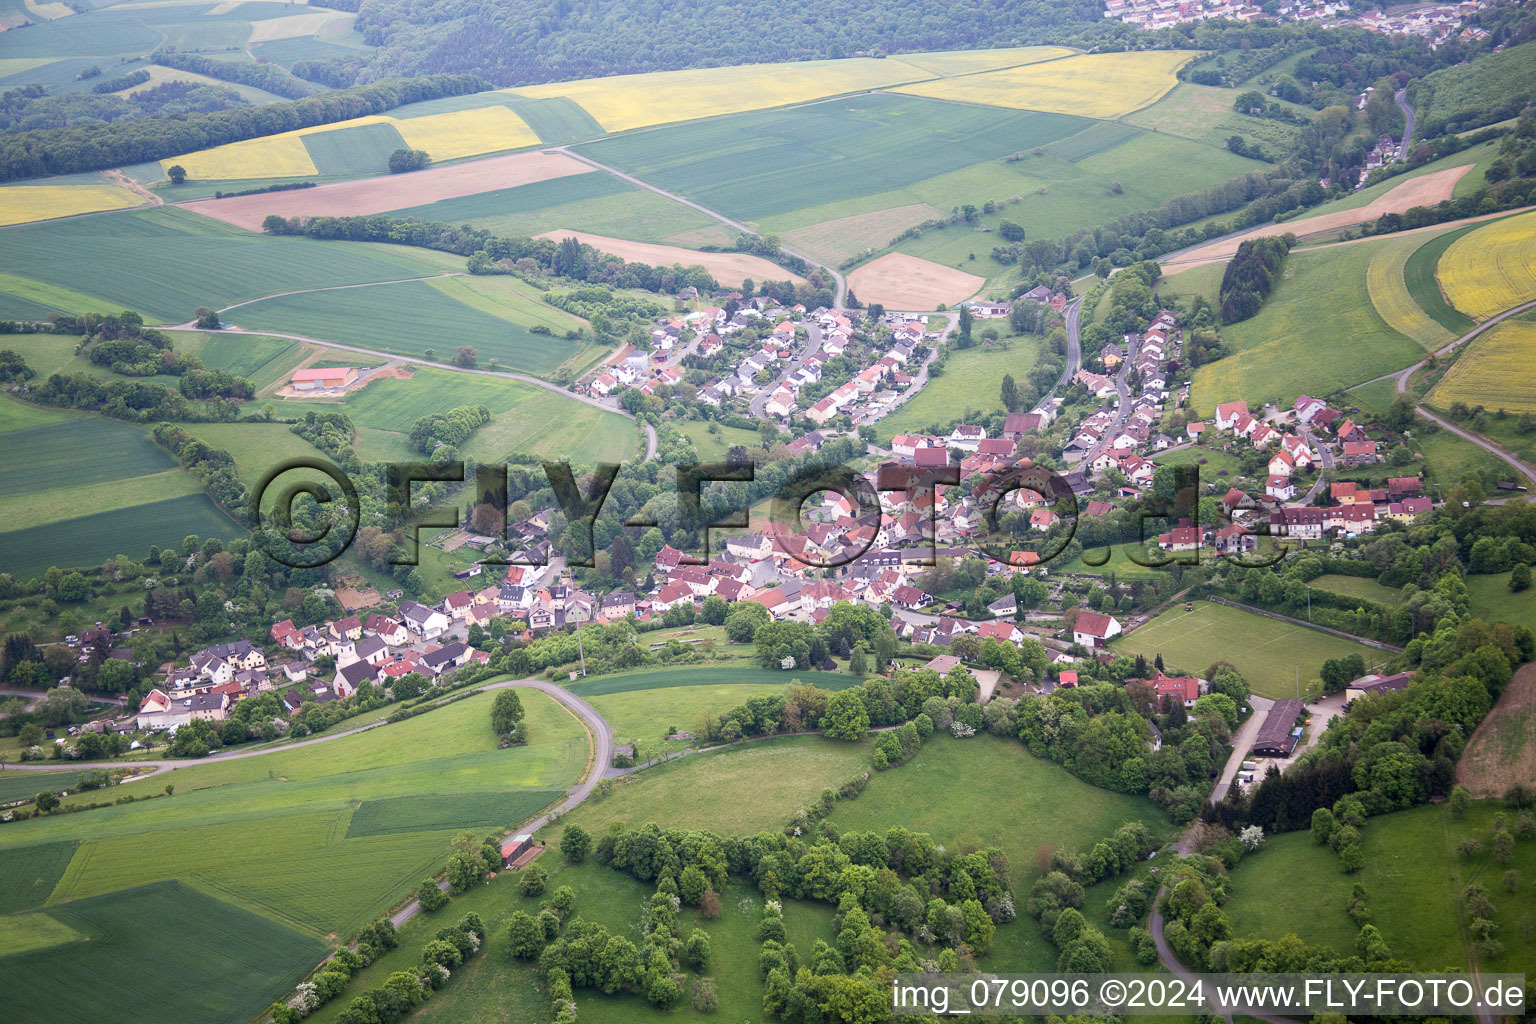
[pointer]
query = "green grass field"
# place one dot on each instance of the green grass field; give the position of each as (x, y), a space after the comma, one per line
(1419, 275)
(970, 384)
(660, 679)
(525, 418)
(1359, 587)
(198, 261)
(1287, 349)
(1376, 397)
(1204, 113)
(1269, 653)
(1494, 601)
(1413, 881)
(649, 715)
(265, 362)
(239, 828)
(412, 317)
(242, 961)
(256, 447)
(715, 446)
(17, 785)
(91, 539)
(32, 871)
(360, 150)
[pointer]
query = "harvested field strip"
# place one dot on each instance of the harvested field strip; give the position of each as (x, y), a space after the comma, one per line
(899, 281)
(20, 204)
(1386, 281)
(623, 102)
(395, 191)
(1091, 85)
(837, 240)
(728, 268)
(1493, 268)
(1422, 190)
(295, 26)
(1497, 371)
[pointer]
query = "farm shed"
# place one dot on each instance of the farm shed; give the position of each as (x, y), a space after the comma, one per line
(1276, 738)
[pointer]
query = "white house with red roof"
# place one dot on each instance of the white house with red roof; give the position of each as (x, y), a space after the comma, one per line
(1094, 629)
(1228, 413)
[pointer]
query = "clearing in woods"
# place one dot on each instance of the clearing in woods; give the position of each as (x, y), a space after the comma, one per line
(1274, 655)
(1493, 268)
(728, 268)
(394, 191)
(1496, 371)
(1503, 749)
(899, 281)
(1090, 85)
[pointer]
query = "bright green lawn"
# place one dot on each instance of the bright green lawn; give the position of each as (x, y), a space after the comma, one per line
(1359, 587)
(1269, 653)
(714, 446)
(1492, 600)
(970, 386)
(649, 715)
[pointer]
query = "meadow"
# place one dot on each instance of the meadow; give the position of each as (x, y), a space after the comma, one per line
(753, 166)
(265, 362)
(1104, 85)
(297, 805)
(1398, 304)
(971, 383)
(412, 317)
(1495, 371)
(199, 262)
(256, 447)
(525, 418)
(623, 102)
(660, 679)
(1272, 655)
(715, 445)
(1413, 880)
(1491, 599)
(1204, 113)
(22, 203)
(1287, 349)
(1466, 88)
(1492, 268)
(1502, 750)
(1359, 587)
(649, 715)
(241, 962)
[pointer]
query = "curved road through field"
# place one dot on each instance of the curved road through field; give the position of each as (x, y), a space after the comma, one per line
(842, 286)
(1401, 99)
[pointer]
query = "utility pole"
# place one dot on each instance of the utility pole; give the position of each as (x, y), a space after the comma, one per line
(580, 651)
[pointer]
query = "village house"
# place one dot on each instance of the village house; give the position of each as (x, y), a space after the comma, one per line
(1094, 629)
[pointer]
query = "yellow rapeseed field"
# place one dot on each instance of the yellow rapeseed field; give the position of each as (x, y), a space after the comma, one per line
(277, 156)
(22, 203)
(661, 97)
(1389, 293)
(462, 133)
(1090, 85)
(1497, 372)
(1486, 271)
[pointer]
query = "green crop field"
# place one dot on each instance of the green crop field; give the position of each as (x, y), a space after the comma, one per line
(91, 539)
(970, 385)
(22, 298)
(1287, 349)
(752, 166)
(31, 872)
(18, 785)
(737, 791)
(409, 318)
(599, 203)
(199, 261)
(240, 827)
(361, 150)
(1376, 397)
(1419, 276)
(22, 933)
(1204, 113)
(1359, 587)
(265, 362)
(525, 418)
(1413, 880)
(240, 962)
(1271, 654)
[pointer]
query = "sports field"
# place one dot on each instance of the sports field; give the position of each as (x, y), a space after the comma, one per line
(1287, 349)
(1496, 371)
(1089, 85)
(1269, 653)
(1493, 268)
(900, 281)
(623, 102)
(22, 203)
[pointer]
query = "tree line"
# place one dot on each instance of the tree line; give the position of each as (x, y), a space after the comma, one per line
(1251, 275)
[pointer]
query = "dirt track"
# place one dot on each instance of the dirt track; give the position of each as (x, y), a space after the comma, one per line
(392, 191)
(1424, 190)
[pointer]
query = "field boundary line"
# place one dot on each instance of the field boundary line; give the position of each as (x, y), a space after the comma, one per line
(1377, 644)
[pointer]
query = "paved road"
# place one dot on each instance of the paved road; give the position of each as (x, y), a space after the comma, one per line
(1401, 98)
(1325, 457)
(757, 406)
(1242, 742)
(839, 297)
(1074, 349)
(1122, 410)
